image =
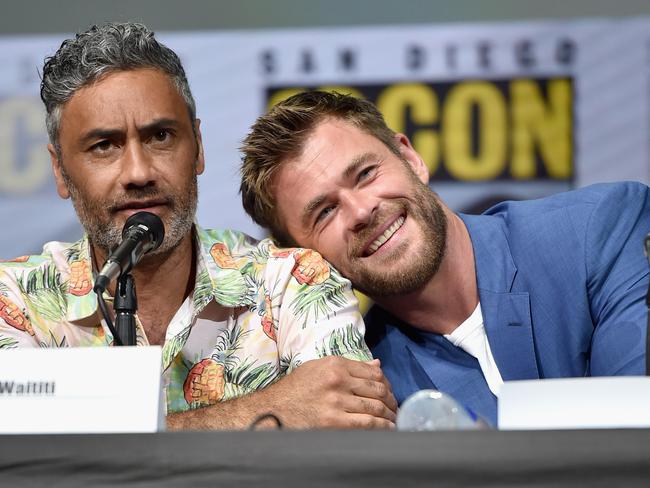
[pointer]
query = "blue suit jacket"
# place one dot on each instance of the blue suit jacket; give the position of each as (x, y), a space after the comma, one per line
(562, 282)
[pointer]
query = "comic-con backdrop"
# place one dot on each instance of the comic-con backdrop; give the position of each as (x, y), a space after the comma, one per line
(498, 111)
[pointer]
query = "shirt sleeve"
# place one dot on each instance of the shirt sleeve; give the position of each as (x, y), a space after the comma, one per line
(617, 274)
(15, 326)
(318, 313)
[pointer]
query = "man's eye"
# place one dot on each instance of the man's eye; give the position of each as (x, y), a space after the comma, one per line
(101, 146)
(162, 135)
(366, 172)
(324, 213)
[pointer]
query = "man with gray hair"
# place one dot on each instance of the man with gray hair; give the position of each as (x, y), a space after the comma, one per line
(232, 315)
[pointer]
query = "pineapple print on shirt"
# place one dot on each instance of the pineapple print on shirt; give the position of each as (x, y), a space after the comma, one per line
(80, 282)
(285, 307)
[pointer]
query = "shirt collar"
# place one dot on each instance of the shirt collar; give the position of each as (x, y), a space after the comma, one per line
(225, 267)
(81, 301)
(224, 262)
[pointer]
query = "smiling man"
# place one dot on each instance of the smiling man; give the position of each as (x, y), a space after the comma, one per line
(539, 289)
(234, 316)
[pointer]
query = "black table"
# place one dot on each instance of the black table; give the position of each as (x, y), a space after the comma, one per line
(327, 458)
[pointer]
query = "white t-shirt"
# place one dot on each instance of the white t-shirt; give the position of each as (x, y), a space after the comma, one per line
(470, 336)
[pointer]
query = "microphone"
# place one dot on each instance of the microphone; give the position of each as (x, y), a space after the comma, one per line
(142, 232)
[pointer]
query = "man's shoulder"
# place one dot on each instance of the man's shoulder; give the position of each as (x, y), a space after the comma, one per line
(617, 196)
(263, 259)
(304, 266)
(585, 227)
(34, 289)
(576, 212)
(54, 253)
(233, 248)
(224, 244)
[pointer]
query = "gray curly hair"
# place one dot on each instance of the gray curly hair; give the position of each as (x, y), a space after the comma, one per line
(100, 50)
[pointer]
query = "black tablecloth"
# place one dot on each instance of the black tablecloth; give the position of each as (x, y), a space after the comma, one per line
(306, 459)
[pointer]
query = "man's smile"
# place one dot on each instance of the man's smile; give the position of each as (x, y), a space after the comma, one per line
(384, 236)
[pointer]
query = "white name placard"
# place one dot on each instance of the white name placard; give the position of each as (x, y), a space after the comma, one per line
(575, 403)
(80, 390)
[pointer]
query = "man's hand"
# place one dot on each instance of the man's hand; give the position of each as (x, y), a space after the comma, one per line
(335, 392)
(332, 392)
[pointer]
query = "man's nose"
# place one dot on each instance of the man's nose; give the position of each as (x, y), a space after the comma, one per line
(360, 208)
(137, 166)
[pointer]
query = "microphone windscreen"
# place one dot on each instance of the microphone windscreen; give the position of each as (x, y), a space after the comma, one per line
(153, 224)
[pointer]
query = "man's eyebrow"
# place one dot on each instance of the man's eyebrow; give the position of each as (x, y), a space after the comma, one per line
(95, 134)
(349, 171)
(352, 168)
(310, 207)
(157, 124)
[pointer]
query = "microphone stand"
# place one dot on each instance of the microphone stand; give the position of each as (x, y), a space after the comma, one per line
(125, 305)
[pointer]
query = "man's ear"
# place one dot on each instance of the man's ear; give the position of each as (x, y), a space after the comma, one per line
(61, 187)
(411, 156)
(200, 159)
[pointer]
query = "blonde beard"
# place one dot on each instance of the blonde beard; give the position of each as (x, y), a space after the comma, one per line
(424, 265)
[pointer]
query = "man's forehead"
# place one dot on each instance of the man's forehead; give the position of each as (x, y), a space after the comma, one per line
(126, 77)
(330, 152)
(332, 141)
(310, 162)
(147, 93)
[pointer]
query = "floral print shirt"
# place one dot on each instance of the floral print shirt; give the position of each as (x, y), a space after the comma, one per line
(278, 309)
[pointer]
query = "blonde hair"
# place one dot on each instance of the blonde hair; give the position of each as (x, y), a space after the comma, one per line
(280, 135)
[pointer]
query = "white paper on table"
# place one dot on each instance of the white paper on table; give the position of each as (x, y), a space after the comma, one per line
(575, 403)
(80, 390)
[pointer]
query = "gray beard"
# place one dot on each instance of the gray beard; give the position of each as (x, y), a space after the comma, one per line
(106, 236)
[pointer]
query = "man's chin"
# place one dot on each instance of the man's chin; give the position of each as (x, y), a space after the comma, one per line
(104, 241)
(395, 279)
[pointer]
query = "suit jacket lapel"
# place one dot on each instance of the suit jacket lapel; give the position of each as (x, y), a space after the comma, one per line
(506, 314)
(510, 333)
